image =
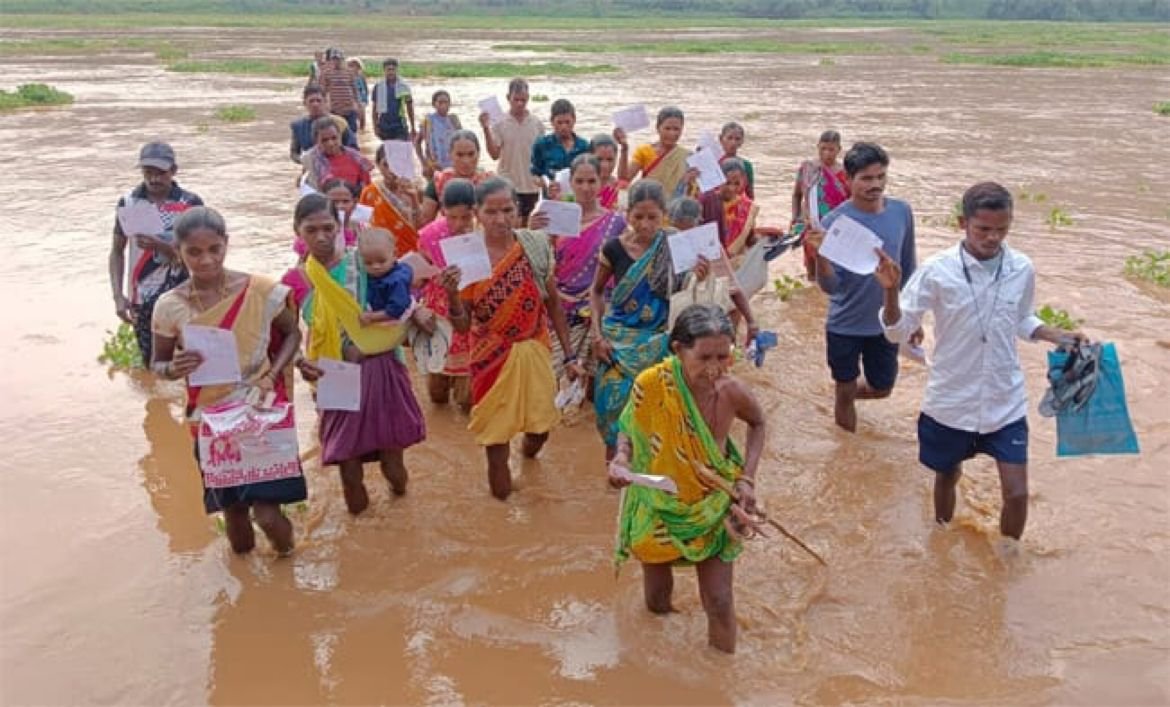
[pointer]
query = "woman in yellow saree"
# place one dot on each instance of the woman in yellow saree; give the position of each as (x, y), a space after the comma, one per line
(677, 425)
(507, 317)
(664, 161)
(260, 315)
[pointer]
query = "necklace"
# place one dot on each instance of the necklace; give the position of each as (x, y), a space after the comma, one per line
(983, 325)
(197, 300)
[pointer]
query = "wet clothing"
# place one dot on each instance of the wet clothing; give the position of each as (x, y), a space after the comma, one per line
(669, 437)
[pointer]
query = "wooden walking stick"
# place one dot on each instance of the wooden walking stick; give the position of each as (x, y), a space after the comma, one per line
(729, 489)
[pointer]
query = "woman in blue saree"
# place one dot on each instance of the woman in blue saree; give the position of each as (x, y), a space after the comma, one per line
(630, 335)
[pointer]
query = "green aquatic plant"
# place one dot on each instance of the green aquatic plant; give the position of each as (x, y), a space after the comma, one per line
(1058, 318)
(955, 214)
(539, 98)
(33, 95)
(785, 286)
(1162, 108)
(235, 114)
(120, 351)
(826, 61)
(1061, 60)
(1058, 217)
(1151, 266)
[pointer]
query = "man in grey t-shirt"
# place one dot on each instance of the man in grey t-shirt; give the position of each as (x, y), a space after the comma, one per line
(853, 335)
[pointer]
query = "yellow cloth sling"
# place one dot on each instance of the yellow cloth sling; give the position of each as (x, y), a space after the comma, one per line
(335, 310)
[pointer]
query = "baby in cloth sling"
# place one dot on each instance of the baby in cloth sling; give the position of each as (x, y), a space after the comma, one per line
(389, 296)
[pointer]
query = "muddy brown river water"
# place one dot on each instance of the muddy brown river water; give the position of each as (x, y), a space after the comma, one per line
(118, 590)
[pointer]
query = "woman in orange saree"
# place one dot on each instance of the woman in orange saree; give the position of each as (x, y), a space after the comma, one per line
(393, 209)
(507, 318)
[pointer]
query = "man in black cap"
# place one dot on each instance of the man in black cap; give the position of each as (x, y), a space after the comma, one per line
(152, 267)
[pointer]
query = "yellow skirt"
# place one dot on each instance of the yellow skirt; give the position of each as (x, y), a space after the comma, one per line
(521, 400)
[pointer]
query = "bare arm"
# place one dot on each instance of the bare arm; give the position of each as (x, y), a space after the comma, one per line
(556, 313)
(168, 364)
(294, 149)
(286, 323)
(117, 269)
(457, 310)
(489, 140)
(410, 114)
(601, 348)
(747, 408)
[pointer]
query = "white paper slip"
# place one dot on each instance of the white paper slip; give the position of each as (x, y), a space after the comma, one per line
(814, 209)
(564, 217)
(340, 388)
(708, 143)
(571, 396)
(306, 190)
(400, 157)
(662, 483)
(850, 245)
(469, 254)
(710, 173)
(491, 106)
(140, 218)
(361, 214)
(687, 246)
(632, 119)
(221, 359)
(563, 179)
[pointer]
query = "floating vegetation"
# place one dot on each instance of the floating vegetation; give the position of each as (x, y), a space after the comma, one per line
(1058, 217)
(785, 286)
(1151, 266)
(1058, 318)
(120, 352)
(1162, 108)
(955, 214)
(236, 114)
(33, 95)
(539, 98)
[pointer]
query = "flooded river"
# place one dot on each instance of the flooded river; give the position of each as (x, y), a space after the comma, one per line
(117, 589)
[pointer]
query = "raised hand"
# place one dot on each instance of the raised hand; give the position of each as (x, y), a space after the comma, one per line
(888, 273)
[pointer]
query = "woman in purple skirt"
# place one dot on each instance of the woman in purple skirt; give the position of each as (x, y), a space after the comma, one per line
(389, 419)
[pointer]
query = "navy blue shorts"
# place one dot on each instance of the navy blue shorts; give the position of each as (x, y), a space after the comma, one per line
(848, 354)
(943, 448)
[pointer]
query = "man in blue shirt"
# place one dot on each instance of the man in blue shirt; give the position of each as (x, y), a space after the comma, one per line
(555, 151)
(853, 334)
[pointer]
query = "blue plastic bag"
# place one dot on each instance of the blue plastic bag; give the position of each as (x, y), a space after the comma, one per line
(1102, 426)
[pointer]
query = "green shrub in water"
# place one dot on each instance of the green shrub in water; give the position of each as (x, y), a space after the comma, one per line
(785, 287)
(31, 95)
(1151, 266)
(236, 114)
(1162, 108)
(1058, 318)
(120, 351)
(1058, 217)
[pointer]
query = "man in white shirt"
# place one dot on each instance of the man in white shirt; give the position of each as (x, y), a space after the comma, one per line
(510, 142)
(980, 293)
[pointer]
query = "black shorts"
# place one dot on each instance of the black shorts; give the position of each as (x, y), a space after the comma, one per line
(942, 448)
(848, 354)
